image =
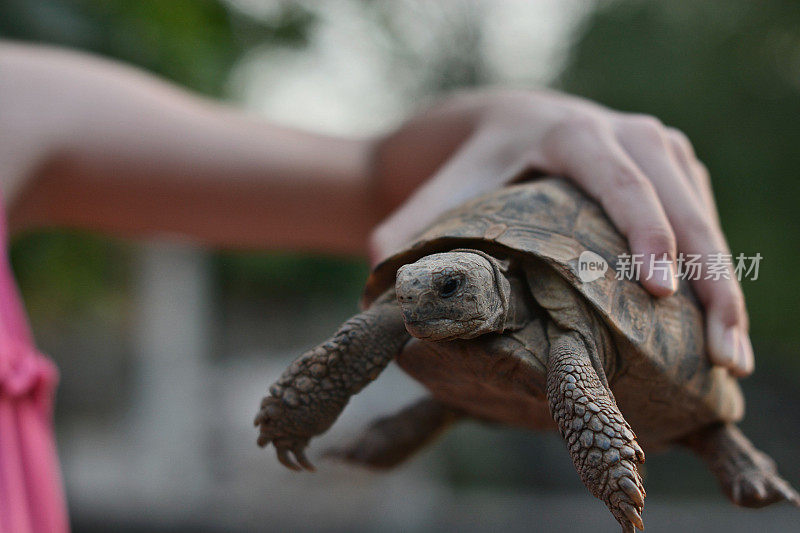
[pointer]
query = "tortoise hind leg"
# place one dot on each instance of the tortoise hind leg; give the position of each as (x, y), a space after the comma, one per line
(746, 475)
(389, 441)
(602, 445)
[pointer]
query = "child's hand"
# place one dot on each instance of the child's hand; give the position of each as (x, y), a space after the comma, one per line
(645, 175)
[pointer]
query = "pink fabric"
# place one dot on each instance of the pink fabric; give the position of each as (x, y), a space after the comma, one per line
(31, 493)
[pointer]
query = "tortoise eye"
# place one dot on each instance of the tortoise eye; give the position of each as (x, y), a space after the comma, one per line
(449, 287)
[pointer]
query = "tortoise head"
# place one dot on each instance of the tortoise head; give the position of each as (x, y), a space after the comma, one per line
(459, 294)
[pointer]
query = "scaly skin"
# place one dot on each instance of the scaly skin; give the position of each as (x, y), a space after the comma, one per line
(313, 391)
(390, 440)
(745, 474)
(602, 445)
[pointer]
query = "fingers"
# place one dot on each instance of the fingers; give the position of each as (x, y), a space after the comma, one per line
(590, 154)
(726, 322)
(682, 151)
(659, 196)
(668, 161)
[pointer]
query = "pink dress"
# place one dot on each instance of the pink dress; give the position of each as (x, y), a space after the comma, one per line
(31, 490)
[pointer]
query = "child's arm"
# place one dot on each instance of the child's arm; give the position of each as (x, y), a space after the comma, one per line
(89, 143)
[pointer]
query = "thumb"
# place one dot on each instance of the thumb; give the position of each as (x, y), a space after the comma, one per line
(475, 168)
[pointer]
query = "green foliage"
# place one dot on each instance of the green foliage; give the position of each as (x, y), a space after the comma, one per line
(288, 275)
(192, 42)
(727, 73)
(63, 273)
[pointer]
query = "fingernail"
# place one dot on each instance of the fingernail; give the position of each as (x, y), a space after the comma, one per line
(748, 360)
(723, 345)
(664, 277)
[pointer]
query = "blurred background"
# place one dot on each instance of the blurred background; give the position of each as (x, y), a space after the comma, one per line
(166, 349)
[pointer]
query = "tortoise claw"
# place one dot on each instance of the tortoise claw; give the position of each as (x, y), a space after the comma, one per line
(626, 501)
(300, 456)
(283, 457)
(272, 420)
(297, 449)
(632, 515)
(758, 488)
(633, 492)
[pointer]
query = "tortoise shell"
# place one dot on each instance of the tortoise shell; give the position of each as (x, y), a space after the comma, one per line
(552, 221)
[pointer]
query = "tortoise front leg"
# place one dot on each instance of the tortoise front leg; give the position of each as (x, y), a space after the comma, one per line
(313, 391)
(602, 445)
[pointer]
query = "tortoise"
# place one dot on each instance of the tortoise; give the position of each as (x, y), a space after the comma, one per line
(488, 311)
